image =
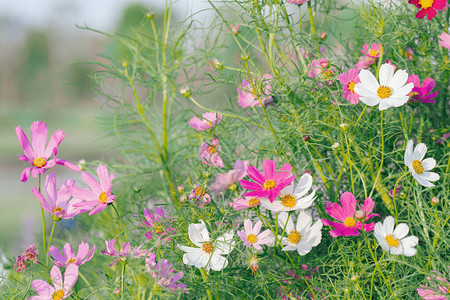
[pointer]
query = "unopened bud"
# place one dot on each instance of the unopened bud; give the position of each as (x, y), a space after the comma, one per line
(323, 35)
(124, 63)
(216, 64)
(344, 126)
(183, 198)
(435, 200)
(354, 278)
(82, 164)
(360, 214)
(336, 146)
(254, 264)
(206, 174)
(244, 56)
(306, 138)
(185, 92)
(180, 189)
(117, 291)
(232, 187)
(150, 16)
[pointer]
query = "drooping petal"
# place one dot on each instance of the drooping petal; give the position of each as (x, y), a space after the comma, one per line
(54, 142)
(198, 233)
(25, 143)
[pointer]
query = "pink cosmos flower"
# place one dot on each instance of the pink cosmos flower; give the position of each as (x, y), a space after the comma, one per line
(444, 40)
(124, 253)
(159, 222)
(373, 51)
(209, 153)
(439, 289)
(60, 289)
(349, 81)
(58, 203)
(420, 91)
(242, 203)
(199, 193)
(250, 92)
(228, 180)
(409, 53)
(208, 120)
(365, 62)
(68, 256)
(271, 183)
(37, 154)
(251, 236)
(352, 219)
(298, 2)
(99, 195)
(428, 7)
(164, 275)
(322, 70)
(31, 253)
(234, 29)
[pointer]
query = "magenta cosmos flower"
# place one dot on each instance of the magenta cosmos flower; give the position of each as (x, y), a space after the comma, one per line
(199, 193)
(437, 289)
(420, 92)
(352, 220)
(99, 195)
(444, 40)
(68, 256)
(124, 253)
(250, 92)
(428, 7)
(209, 153)
(159, 222)
(242, 203)
(349, 81)
(59, 203)
(252, 236)
(208, 120)
(298, 2)
(164, 275)
(271, 183)
(229, 179)
(60, 289)
(37, 154)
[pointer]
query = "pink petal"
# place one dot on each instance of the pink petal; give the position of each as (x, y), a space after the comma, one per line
(70, 277)
(55, 275)
(250, 185)
(255, 174)
(25, 143)
(92, 183)
(348, 202)
(42, 288)
(39, 138)
(269, 169)
(54, 142)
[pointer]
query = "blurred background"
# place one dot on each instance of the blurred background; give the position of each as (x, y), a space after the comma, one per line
(45, 66)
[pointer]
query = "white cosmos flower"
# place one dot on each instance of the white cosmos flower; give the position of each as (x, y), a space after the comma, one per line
(391, 91)
(302, 237)
(209, 254)
(419, 166)
(393, 240)
(293, 199)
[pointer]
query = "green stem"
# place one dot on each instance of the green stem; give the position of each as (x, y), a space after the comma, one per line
(123, 277)
(88, 284)
(205, 279)
(49, 242)
(43, 221)
(393, 195)
(313, 28)
(120, 222)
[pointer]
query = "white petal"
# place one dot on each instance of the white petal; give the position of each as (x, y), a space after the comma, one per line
(396, 250)
(284, 217)
(388, 225)
(420, 151)
(403, 91)
(409, 153)
(386, 73)
(316, 233)
(304, 248)
(304, 221)
(290, 247)
(370, 100)
(303, 185)
(368, 79)
(198, 233)
(420, 179)
(218, 262)
(430, 176)
(379, 230)
(397, 101)
(401, 231)
(410, 241)
(409, 251)
(384, 104)
(429, 163)
(275, 206)
(225, 243)
(287, 190)
(399, 79)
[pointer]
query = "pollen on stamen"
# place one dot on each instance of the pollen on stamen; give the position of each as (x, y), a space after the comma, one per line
(208, 247)
(418, 166)
(102, 197)
(71, 260)
(294, 237)
(351, 86)
(349, 222)
(39, 162)
(58, 295)
(393, 242)
(199, 191)
(57, 209)
(384, 92)
(251, 238)
(212, 149)
(269, 184)
(424, 4)
(288, 200)
(374, 52)
(253, 201)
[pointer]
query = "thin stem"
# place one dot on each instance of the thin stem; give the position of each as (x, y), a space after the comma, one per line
(299, 18)
(393, 195)
(43, 220)
(365, 107)
(120, 221)
(49, 242)
(123, 276)
(206, 279)
(88, 284)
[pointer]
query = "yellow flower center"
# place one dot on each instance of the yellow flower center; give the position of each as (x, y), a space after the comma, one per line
(373, 52)
(269, 184)
(71, 260)
(253, 201)
(412, 94)
(327, 74)
(208, 247)
(384, 92)
(288, 200)
(349, 222)
(57, 210)
(199, 191)
(39, 162)
(158, 229)
(58, 295)
(393, 242)
(212, 149)
(351, 86)
(102, 197)
(294, 237)
(426, 3)
(251, 238)
(418, 166)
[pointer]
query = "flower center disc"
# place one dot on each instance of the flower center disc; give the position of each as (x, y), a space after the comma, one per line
(254, 201)
(351, 86)
(418, 166)
(58, 295)
(349, 222)
(384, 92)
(199, 191)
(71, 260)
(393, 242)
(251, 238)
(57, 210)
(288, 200)
(102, 197)
(426, 3)
(294, 237)
(269, 184)
(208, 247)
(373, 52)
(212, 149)
(39, 162)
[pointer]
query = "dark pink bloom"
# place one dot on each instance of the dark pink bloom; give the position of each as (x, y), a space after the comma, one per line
(420, 92)
(68, 256)
(298, 2)
(58, 202)
(37, 154)
(208, 120)
(164, 275)
(60, 289)
(124, 253)
(437, 289)
(322, 70)
(241, 203)
(209, 153)
(159, 222)
(349, 81)
(199, 193)
(444, 40)
(350, 218)
(229, 179)
(31, 253)
(428, 7)
(99, 195)
(250, 92)
(271, 183)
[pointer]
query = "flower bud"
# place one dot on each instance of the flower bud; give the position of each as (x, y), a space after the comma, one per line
(336, 146)
(150, 16)
(254, 264)
(82, 164)
(323, 35)
(435, 200)
(124, 63)
(232, 187)
(244, 56)
(180, 189)
(185, 92)
(360, 214)
(306, 138)
(183, 198)
(216, 64)
(344, 127)
(206, 174)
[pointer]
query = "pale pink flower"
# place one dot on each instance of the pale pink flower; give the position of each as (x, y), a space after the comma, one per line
(365, 62)
(60, 289)
(208, 120)
(298, 2)
(234, 29)
(348, 84)
(252, 236)
(250, 92)
(37, 154)
(437, 289)
(68, 256)
(199, 194)
(163, 274)
(444, 40)
(322, 70)
(242, 203)
(229, 179)
(123, 253)
(209, 153)
(373, 51)
(160, 223)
